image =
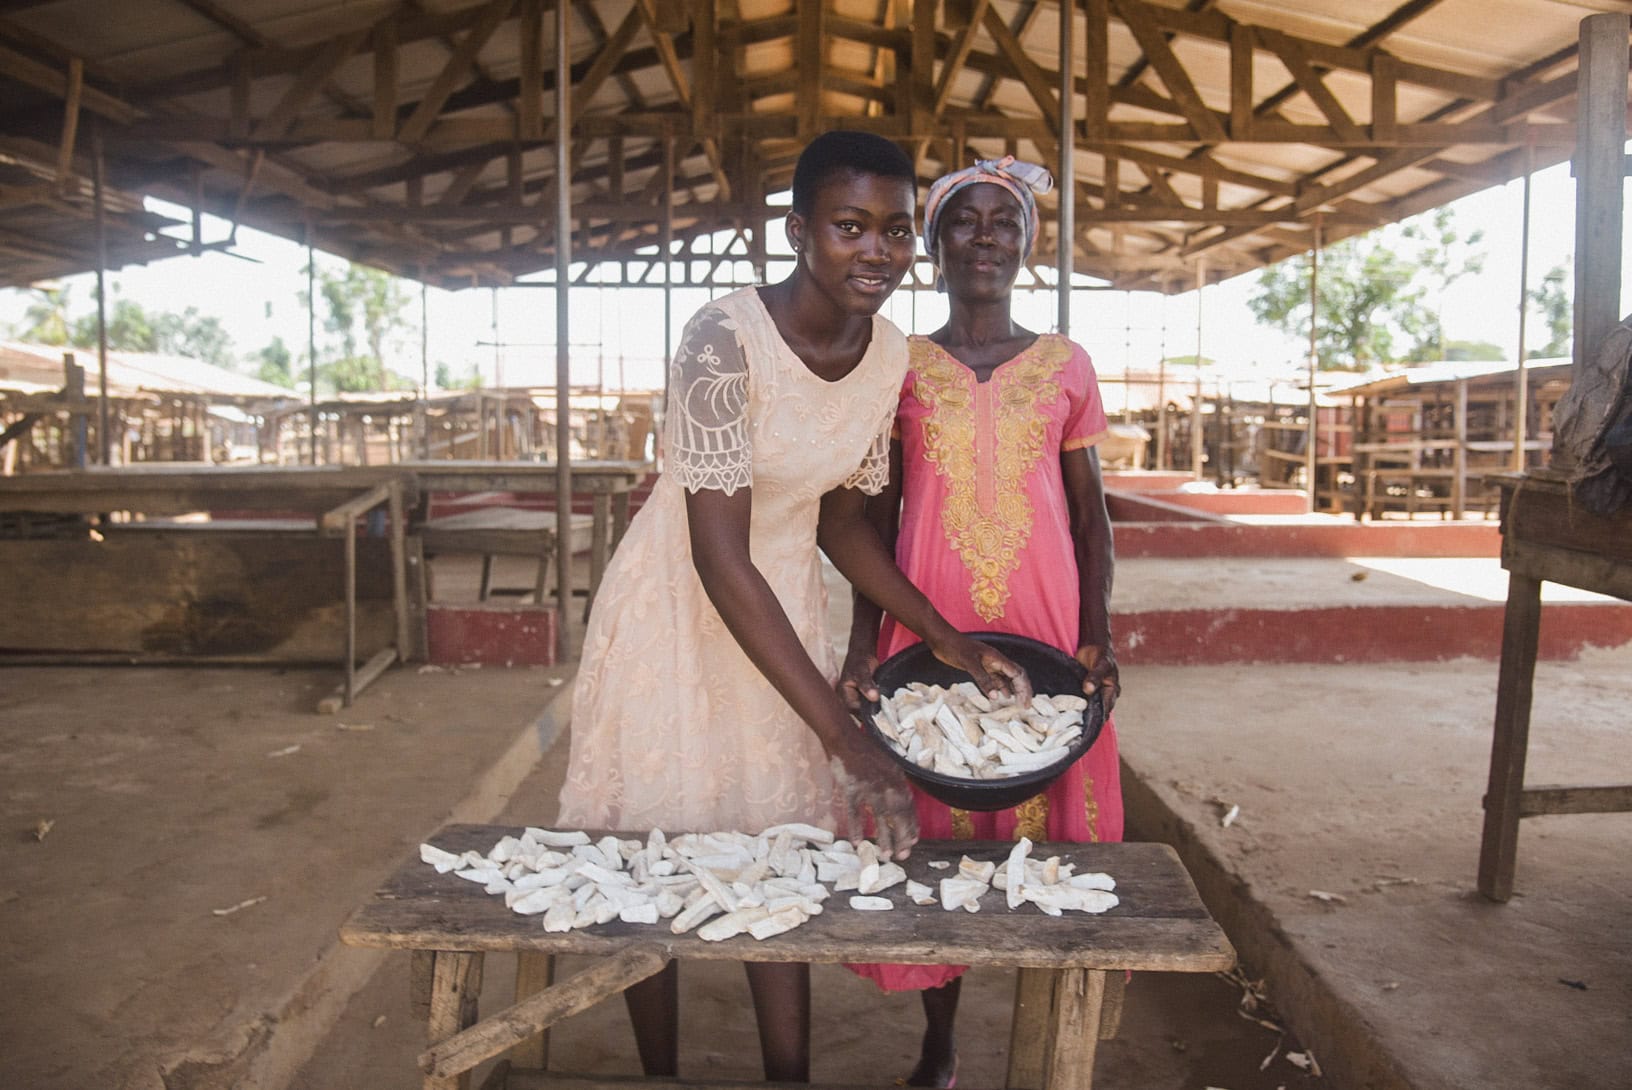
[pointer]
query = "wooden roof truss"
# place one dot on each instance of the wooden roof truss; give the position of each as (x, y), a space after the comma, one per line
(420, 137)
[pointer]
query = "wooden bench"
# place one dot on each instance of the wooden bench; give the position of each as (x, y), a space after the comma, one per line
(449, 924)
(504, 531)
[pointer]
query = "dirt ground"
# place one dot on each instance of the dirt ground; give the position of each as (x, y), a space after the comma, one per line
(138, 951)
(1365, 784)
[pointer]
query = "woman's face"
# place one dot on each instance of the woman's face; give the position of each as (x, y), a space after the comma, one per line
(980, 242)
(857, 243)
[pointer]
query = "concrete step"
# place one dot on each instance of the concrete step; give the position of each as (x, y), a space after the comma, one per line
(1335, 610)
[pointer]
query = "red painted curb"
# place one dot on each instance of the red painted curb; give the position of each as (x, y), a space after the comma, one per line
(491, 635)
(1197, 637)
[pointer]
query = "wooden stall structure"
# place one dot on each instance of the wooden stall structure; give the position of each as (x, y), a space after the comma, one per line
(161, 409)
(450, 924)
(1281, 444)
(1426, 438)
(136, 576)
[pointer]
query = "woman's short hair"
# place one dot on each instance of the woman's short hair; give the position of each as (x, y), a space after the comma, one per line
(846, 152)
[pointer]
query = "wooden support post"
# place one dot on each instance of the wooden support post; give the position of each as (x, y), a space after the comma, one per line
(535, 972)
(350, 540)
(1521, 384)
(563, 324)
(455, 986)
(1066, 229)
(1073, 1036)
(1499, 844)
(1028, 1032)
(1600, 166)
(104, 439)
(399, 567)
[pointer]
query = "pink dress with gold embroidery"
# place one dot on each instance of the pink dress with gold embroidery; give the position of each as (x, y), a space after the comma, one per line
(986, 535)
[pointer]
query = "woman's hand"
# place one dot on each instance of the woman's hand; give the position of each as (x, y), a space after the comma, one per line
(856, 685)
(992, 671)
(1102, 674)
(870, 783)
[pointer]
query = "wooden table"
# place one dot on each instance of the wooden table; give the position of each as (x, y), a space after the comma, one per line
(1547, 536)
(450, 923)
(608, 483)
(335, 497)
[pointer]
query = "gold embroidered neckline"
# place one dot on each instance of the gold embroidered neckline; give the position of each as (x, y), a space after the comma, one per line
(995, 371)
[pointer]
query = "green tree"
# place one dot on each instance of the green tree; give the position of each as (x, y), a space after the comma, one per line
(1189, 361)
(365, 315)
(1378, 293)
(130, 328)
(1445, 258)
(275, 364)
(194, 335)
(46, 319)
(1552, 298)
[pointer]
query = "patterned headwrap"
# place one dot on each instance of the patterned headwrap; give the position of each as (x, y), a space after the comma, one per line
(1027, 181)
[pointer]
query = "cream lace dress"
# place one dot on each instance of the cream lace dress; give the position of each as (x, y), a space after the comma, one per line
(672, 726)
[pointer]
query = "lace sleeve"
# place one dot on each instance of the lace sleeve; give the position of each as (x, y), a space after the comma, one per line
(874, 472)
(708, 444)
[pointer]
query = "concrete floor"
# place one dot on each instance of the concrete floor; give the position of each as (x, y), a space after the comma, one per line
(175, 795)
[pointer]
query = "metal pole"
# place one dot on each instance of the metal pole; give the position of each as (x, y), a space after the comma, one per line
(1068, 175)
(1196, 435)
(1164, 453)
(498, 362)
(1311, 465)
(311, 334)
(424, 367)
(1521, 383)
(103, 439)
(563, 354)
(668, 256)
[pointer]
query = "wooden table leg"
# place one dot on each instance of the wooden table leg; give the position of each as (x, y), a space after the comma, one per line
(1073, 1036)
(534, 973)
(455, 985)
(399, 570)
(600, 540)
(1028, 1032)
(1510, 741)
(620, 517)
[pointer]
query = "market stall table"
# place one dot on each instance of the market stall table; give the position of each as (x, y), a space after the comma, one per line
(449, 923)
(609, 483)
(332, 498)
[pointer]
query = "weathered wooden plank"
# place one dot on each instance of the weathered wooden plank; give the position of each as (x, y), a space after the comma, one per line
(174, 491)
(1160, 924)
(240, 596)
(1073, 1036)
(534, 973)
(455, 986)
(538, 1012)
(1582, 799)
(1028, 1028)
(1498, 846)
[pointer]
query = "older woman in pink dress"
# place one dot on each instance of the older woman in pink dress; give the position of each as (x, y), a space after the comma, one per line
(997, 513)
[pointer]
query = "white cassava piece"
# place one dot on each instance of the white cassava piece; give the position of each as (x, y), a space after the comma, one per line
(728, 884)
(963, 732)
